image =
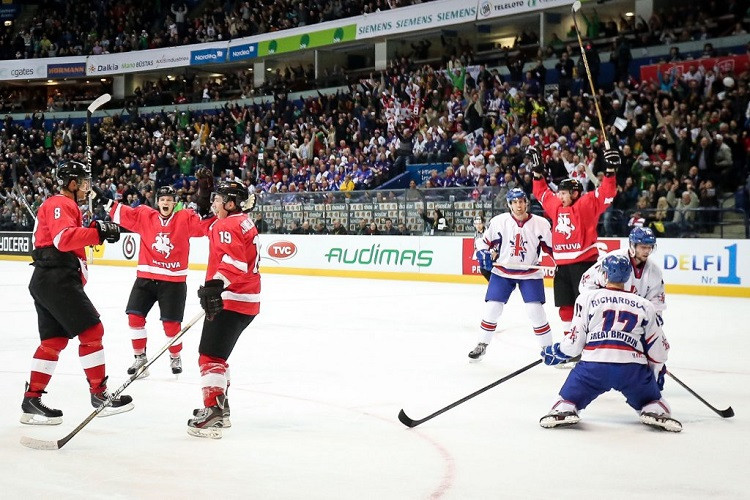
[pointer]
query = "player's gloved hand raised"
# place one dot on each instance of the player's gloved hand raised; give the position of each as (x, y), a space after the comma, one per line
(536, 162)
(485, 259)
(612, 162)
(101, 197)
(108, 231)
(210, 298)
(553, 355)
(249, 203)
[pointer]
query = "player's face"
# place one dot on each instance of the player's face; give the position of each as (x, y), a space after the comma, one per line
(641, 252)
(567, 197)
(166, 205)
(518, 207)
(217, 206)
(479, 226)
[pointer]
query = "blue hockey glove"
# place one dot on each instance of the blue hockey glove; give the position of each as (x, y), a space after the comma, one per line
(660, 377)
(485, 259)
(553, 355)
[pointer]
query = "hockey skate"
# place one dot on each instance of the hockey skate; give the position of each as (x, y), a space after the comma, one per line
(140, 360)
(176, 364)
(37, 413)
(559, 419)
(478, 352)
(120, 404)
(661, 422)
(226, 423)
(208, 422)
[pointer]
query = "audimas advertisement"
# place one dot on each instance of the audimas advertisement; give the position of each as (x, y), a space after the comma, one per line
(308, 40)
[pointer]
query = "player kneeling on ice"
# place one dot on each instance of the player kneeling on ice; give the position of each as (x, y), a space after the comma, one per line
(65, 311)
(231, 299)
(162, 267)
(516, 238)
(621, 348)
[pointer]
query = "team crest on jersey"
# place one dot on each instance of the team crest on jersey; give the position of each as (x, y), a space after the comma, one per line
(564, 225)
(163, 245)
(518, 248)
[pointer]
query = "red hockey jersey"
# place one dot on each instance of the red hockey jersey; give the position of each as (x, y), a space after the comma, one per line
(233, 258)
(165, 243)
(58, 224)
(574, 227)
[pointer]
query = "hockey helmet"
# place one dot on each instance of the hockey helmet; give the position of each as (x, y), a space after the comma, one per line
(571, 185)
(73, 170)
(166, 191)
(515, 194)
(617, 267)
(232, 191)
(642, 236)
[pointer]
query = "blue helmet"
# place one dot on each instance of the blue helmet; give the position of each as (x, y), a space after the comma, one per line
(515, 194)
(642, 236)
(617, 268)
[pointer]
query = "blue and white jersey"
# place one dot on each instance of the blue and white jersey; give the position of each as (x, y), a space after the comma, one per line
(646, 281)
(614, 326)
(518, 244)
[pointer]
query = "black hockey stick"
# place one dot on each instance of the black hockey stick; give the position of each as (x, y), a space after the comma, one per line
(729, 412)
(39, 444)
(404, 419)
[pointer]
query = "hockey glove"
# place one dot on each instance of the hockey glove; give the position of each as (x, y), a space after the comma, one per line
(485, 259)
(660, 377)
(210, 298)
(612, 162)
(536, 163)
(101, 197)
(249, 203)
(108, 231)
(553, 355)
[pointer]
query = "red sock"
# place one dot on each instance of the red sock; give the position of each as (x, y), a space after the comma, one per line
(137, 326)
(91, 353)
(213, 378)
(43, 365)
(172, 328)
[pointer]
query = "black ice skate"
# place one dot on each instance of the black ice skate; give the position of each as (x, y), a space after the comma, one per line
(208, 422)
(140, 360)
(120, 404)
(478, 352)
(559, 419)
(176, 365)
(37, 413)
(661, 422)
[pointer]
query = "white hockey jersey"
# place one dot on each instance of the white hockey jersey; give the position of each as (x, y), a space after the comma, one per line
(517, 244)
(646, 281)
(614, 326)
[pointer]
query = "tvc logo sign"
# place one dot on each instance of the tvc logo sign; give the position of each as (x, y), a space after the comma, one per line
(282, 250)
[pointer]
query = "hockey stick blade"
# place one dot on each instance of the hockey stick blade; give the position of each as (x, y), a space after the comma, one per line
(727, 413)
(38, 444)
(404, 419)
(99, 102)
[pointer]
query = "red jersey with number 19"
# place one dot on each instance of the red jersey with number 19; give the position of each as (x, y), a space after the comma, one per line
(233, 258)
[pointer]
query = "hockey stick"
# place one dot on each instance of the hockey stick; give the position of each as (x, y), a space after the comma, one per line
(39, 444)
(17, 188)
(95, 105)
(404, 419)
(576, 7)
(729, 412)
(523, 267)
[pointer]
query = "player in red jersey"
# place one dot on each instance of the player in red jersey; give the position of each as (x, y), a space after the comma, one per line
(574, 220)
(162, 267)
(64, 310)
(231, 299)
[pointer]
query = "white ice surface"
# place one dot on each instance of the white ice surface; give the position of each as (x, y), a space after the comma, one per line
(317, 382)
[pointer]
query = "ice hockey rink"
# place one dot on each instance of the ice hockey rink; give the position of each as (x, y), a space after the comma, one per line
(319, 378)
